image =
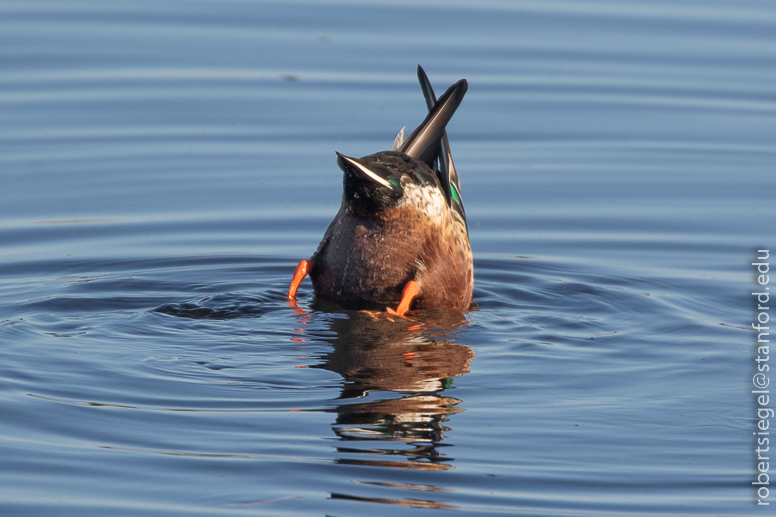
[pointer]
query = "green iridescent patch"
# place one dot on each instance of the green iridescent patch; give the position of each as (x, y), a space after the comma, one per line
(454, 193)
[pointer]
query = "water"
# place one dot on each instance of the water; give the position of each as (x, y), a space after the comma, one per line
(163, 167)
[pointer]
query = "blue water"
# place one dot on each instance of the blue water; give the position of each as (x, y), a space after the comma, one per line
(164, 166)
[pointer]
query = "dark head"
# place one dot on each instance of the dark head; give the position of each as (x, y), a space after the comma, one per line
(377, 182)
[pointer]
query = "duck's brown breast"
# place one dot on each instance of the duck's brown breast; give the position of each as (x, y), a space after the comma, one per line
(366, 262)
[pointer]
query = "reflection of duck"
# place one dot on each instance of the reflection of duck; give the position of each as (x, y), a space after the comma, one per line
(406, 431)
(380, 355)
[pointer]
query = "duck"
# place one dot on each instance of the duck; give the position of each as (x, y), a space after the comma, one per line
(400, 240)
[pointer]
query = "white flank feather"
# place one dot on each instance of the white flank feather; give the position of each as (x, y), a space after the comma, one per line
(399, 141)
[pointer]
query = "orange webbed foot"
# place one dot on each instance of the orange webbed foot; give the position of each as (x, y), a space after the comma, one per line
(302, 270)
(409, 293)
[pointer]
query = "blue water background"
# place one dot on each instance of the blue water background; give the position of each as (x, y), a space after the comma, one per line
(164, 165)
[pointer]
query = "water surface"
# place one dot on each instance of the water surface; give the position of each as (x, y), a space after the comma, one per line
(163, 167)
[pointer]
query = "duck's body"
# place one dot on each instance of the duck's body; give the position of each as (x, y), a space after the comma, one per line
(400, 237)
(366, 259)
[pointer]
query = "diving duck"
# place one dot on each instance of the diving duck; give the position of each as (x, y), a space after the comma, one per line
(400, 237)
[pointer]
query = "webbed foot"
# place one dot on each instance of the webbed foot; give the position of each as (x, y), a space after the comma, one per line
(302, 270)
(411, 290)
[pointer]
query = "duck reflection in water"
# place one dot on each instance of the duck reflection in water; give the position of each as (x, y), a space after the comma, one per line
(393, 410)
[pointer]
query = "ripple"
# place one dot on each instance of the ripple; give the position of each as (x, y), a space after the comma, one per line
(165, 166)
(221, 307)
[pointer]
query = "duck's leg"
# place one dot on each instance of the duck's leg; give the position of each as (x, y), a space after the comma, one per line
(411, 290)
(302, 270)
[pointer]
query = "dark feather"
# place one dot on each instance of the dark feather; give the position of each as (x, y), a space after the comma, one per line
(446, 171)
(424, 142)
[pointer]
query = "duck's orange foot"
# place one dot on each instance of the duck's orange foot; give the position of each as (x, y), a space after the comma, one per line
(302, 270)
(409, 293)
(388, 315)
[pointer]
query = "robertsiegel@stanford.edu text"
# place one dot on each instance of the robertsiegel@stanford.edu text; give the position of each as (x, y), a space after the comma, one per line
(761, 379)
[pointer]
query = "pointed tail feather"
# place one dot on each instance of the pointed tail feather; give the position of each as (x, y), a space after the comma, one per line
(448, 175)
(442, 154)
(424, 142)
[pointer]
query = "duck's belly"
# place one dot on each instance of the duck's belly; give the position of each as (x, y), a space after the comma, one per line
(366, 263)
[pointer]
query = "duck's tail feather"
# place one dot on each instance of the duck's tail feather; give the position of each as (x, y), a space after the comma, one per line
(448, 175)
(425, 141)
